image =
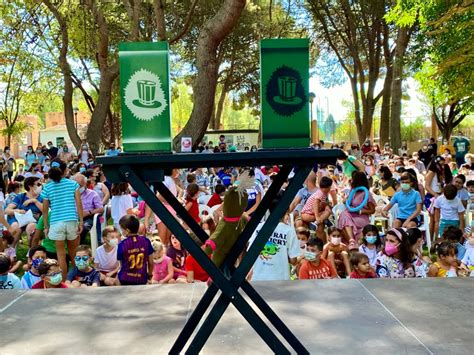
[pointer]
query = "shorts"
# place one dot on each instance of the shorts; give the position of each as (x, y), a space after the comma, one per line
(416, 220)
(64, 230)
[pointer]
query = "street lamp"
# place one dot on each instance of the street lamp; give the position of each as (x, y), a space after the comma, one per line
(76, 110)
(314, 123)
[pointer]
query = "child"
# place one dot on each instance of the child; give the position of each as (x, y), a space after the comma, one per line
(162, 265)
(135, 254)
(314, 267)
(336, 252)
(105, 260)
(409, 204)
(362, 267)
(178, 255)
(454, 235)
(317, 209)
(467, 262)
(51, 275)
(208, 225)
(6, 247)
(121, 203)
(449, 210)
(217, 196)
(194, 271)
(371, 243)
(8, 280)
(447, 263)
(83, 275)
(36, 255)
(192, 205)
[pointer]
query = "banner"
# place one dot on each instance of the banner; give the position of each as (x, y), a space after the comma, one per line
(284, 88)
(145, 94)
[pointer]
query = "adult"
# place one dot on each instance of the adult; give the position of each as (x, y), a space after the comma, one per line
(387, 151)
(95, 184)
(91, 204)
(85, 154)
(27, 201)
(112, 151)
(352, 223)
(61, 225)
(387, 184)
(417, 164)
(403, 149)
(433, 147)
(65, 155)
(446, 148)
(393, 260)
(355, 150)
(461, 147)
(425, 155)
(10, 162)
(30, 157)
(34, 171)
(350, 164)
(52, 150)
(366, 148)
(40, 157)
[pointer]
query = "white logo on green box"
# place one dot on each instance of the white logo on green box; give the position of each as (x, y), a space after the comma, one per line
(144, 95)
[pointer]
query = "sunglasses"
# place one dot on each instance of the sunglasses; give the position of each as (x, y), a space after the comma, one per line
(53, 274)
(83, 258)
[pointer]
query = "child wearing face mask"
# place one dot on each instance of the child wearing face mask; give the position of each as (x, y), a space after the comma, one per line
(315, 267)
(36, 256)
(395, 256)
(83, 274)
(446, 264)
(51, 275)
(371, 243)
(105, 260)
(336, 252)
(162, 265)
(361, 266)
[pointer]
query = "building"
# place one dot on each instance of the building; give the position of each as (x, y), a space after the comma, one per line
(239, 137)
(19, 145)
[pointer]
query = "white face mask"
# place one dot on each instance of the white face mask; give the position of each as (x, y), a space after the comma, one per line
(38, 189)
(113, 242)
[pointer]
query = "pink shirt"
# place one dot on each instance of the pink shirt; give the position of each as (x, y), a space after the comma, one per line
(160, 270)
(318, 195)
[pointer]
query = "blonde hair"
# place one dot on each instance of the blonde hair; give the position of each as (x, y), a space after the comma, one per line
(157, 246)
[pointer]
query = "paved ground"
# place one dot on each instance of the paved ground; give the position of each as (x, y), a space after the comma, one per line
(418, 316)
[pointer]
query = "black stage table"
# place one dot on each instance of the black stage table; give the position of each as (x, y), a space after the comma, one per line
(138, 169)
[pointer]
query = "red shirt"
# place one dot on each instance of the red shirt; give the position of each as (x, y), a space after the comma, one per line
(214, 200)
(40, 284)
(192, 265)
(310, 271)
(355, 275)
(194, 210)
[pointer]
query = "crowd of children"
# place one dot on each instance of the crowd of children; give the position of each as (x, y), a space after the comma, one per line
(368, 216)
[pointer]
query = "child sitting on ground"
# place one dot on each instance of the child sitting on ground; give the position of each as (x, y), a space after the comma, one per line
(217, 196)
(36, 255)
(6, 246)
(455, 235)
(192, 205)
(449, 210)
(105, 260)
(51, 275)
(314, 267)
(447, 264)
(371, 243)
(8, 281)
(83, 275)
(162, 265)
(337, 253)
(362, 268)
(178, 255)
(317, 208)
(134, 253)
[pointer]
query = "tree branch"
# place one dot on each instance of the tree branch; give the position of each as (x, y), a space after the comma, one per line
(187, 23)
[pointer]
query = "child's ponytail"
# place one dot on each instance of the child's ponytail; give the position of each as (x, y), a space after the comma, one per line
(58, 167)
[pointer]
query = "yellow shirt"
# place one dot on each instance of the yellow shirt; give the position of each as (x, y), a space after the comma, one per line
(449, 147)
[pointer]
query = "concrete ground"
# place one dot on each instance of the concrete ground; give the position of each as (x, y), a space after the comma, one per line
(406, 316)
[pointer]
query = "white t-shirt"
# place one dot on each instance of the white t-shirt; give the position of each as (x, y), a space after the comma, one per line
(449, 209)
(120, 205)
(169, 183)
(107, 260)
(371, 254)
(272, 263)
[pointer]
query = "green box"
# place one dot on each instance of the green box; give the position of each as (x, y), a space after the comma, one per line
(284, 88)
(145, 94)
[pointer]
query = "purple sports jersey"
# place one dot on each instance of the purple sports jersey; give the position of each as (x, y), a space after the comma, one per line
(133, 254)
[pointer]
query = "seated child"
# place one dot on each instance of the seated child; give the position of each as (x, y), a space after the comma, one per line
(208, 225)
(449, 210)
(454, 235)
(6, 246)
(361, 266)
(83, 275)
(178, 255)
(134, 253)
(371, 243)
(194, 271)
(36, 255)
(314, 267)
(217, 196)
(51, 275)
(467, 262)
(317, 209)
(162, 265)
(337, 253)
(8, 280)
(447, 264)
(192, 205)
(105, 260)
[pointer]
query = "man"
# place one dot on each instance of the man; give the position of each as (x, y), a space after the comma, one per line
(433, 147)
(52, 150)
(461, 147)
(425, 155)
(112, 151)
(91, 204)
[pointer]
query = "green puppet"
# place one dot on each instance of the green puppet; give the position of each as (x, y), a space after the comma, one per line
(232, 224)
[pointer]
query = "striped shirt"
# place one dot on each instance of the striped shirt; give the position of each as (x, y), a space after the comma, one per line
(133, 255)
(62, 201)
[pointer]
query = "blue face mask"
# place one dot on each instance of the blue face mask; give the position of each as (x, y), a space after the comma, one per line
(56, 279)
(82, 265)
(82, 169)
(371, 239)
(36, 263)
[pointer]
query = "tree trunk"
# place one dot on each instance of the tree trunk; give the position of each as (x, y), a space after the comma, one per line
(211, 35)
(9, 139)
(384, 133)
(220, 106)
(160, 19)
(396, 104)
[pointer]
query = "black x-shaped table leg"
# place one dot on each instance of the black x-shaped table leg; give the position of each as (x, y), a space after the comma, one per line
(229, 288)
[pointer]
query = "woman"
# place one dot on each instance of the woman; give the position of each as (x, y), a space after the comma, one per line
(27, 201)
(34, 171)
(352, 223)
(387, 185)
(61, 223)
(30, 157)
(10, 161)
(349, 165)
(355, 151)
(99, 187)
(65, 155)
(85, 155)
(394, 261)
